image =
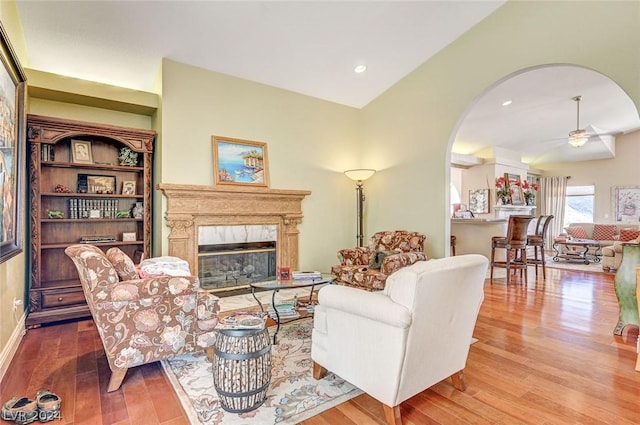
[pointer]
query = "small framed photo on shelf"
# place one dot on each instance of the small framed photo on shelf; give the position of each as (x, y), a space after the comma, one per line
(284, 273)
(128, 187)
(128, 236)
(96, 184)
(81, 152)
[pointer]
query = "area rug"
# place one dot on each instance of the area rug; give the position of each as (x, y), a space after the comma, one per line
(592, 267)
(293, 394)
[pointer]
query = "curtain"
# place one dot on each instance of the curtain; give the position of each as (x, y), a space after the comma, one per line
(553, 191)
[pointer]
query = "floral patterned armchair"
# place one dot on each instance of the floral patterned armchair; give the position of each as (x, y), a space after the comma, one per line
(368, 267)
(142, 320)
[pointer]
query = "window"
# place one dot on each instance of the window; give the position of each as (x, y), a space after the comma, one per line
(578, 204)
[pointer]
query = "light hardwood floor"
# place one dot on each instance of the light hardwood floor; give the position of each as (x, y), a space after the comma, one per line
(546, 355)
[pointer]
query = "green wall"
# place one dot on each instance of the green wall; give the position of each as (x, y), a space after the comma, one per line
(406, 133)
(309, 143)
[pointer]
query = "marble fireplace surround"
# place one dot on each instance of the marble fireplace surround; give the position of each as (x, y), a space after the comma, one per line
(192, 206)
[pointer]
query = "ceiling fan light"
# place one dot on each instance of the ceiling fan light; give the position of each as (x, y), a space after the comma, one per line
(578, 138)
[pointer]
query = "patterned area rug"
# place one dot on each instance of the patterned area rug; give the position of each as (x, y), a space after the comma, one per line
(293, 394)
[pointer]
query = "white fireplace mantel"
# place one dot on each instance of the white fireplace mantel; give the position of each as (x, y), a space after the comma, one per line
(192, 206)
(504, 211)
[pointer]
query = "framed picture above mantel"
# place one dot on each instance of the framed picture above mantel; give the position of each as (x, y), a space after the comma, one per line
(514, 182)
(240, 162)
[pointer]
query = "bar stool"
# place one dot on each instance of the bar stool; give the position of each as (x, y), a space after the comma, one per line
(514, 244)
(537, 241)
(453, 245)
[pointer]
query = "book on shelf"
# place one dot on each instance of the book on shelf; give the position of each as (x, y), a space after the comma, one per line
(309, 275)
(243, 320)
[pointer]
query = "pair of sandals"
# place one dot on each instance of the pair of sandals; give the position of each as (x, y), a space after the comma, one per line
(23, 410)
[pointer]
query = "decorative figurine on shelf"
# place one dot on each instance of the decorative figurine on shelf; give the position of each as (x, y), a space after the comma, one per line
(55, 214)
(128, 157)
(137, 211)
(123, 214)
(60, 188)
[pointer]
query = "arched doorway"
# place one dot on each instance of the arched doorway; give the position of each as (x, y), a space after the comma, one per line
(521, 123)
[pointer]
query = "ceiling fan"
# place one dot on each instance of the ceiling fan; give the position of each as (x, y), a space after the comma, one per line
(578, 137)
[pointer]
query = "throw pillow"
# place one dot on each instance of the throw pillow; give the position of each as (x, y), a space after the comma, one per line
(172, 266)
(378, 257)
(577, 232)
(122, 263)
(604, 232)
(629, 234)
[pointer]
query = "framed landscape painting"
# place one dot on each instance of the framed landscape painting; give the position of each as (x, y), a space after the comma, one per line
(240, 162)
(12, 149)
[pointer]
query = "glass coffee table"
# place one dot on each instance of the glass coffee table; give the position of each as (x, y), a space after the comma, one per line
(568, 253)
(276, 285)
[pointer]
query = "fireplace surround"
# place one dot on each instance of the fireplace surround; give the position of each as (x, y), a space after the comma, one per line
(190, 207)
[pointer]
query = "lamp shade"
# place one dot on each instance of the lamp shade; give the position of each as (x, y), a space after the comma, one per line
(360, 174)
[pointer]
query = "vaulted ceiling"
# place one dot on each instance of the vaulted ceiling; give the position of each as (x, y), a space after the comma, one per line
(312, 48)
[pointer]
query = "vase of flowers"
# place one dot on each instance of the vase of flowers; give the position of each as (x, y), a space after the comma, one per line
(529, 190)
(502, 191)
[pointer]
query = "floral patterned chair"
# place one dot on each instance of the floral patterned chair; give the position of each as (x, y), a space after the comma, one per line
(142, 320)
(368, 267)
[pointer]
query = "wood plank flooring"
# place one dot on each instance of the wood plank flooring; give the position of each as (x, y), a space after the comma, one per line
(546, 355)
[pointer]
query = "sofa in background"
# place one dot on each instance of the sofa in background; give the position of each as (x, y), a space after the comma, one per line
(611, 237)
(612, 254)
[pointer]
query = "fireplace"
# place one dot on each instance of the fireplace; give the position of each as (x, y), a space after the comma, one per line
(235, 256)
(200, 217)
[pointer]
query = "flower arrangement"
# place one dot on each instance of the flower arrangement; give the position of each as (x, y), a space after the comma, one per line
(529, 191)
(502, 190)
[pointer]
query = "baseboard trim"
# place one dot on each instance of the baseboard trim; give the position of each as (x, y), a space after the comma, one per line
(11, 348)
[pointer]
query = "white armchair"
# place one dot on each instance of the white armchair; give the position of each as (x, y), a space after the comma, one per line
(395, 343)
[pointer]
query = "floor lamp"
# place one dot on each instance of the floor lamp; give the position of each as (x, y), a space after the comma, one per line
(360, 175)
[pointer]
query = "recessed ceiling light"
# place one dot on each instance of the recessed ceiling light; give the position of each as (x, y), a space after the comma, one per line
(507, 102)
(360, 69)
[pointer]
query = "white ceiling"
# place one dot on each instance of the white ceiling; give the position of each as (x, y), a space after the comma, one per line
(543, 112)
(312, 48)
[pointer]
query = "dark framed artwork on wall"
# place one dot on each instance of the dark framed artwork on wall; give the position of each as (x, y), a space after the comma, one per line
(12, 149)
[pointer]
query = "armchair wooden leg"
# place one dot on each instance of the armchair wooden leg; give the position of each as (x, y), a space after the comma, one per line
(458, 380)
(392, 414)
(117, 376)
(319, 372)
(209, 352)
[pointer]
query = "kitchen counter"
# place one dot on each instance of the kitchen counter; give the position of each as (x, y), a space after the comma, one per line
(473, 235)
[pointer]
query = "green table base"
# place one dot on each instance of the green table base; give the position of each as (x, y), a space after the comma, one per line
(625, 284)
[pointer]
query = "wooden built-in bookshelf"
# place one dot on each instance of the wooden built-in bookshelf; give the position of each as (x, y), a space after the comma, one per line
(54, 292)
